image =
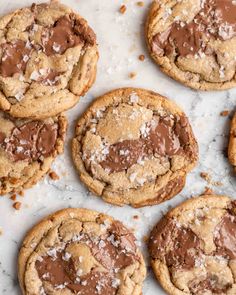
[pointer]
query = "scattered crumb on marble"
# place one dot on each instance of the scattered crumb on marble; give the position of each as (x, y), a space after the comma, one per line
(208, 191)
(53, 175)
(17, 205)
(207, 177)
(141, 57)
(132, 75)
(140, 3)
(224, 113)
(21, 193)
(123, 9)
(136, 217)
(145, 239)
(1, 231)
(13, 197)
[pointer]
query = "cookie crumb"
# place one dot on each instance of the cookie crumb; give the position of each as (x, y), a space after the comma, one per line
(17, 205)
(1, 232)
(13, 197)
(135, 217)
(141, 57)
(206, 176)
(21, 193)
(145, 239)
(208, 191)
(53, 175)
(140, 3)
(224, 113)
(123, 9)
(132, 75)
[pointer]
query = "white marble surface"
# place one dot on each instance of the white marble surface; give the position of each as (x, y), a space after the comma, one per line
(121, 41)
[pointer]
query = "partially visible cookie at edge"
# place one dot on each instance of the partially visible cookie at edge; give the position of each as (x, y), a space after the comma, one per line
(192, 248)
(232, 143)
(27, 150)
(194, 42)
(79, 251)
(133, 146)
(48, 59)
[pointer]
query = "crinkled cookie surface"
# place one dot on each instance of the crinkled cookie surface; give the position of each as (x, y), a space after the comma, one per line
(48, 57)
(78, 251)
(193, 248)
(194, 41)
(133, 146)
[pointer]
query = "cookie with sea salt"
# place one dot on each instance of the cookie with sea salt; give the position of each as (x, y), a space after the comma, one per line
(79, 251)
(27, 150)
(194, 42)
(133, 146)
(48, 57)
(193, 247)
(232, 143)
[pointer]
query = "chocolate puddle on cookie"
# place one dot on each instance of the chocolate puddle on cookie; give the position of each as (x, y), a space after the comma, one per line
(15, 56)
(215, 20)
(31, 141)
(67, 32)
(114, 251)
(225, 236)
(178, 246)
(160, 138)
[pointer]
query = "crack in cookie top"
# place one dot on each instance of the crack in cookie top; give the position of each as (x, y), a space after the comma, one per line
(199, 38)
(42, 49)
(86, 257)
(131, 143)
(198, 245)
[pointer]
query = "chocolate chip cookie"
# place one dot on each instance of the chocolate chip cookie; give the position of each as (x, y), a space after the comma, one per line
(133, 146)
(193, 247)
(27, 149)
(78, 251)
(48, 57)
(232, 143)
(194, 41)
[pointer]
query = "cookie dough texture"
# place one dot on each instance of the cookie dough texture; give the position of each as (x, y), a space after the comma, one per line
(48, 57)
(193, 247)
(79, 251)
(27, 150)
(194, 42)
(133, 146)
(232, 143)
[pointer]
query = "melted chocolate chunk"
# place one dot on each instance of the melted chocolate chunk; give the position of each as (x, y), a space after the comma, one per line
(119, 248)
(67, 32)
(177, 246)
(59, 272)
(114, 250)
(163, 139)
(31, 141)
(123, 155)
(225, 236)
(217, 19)
(15, 56)
(52, 78)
